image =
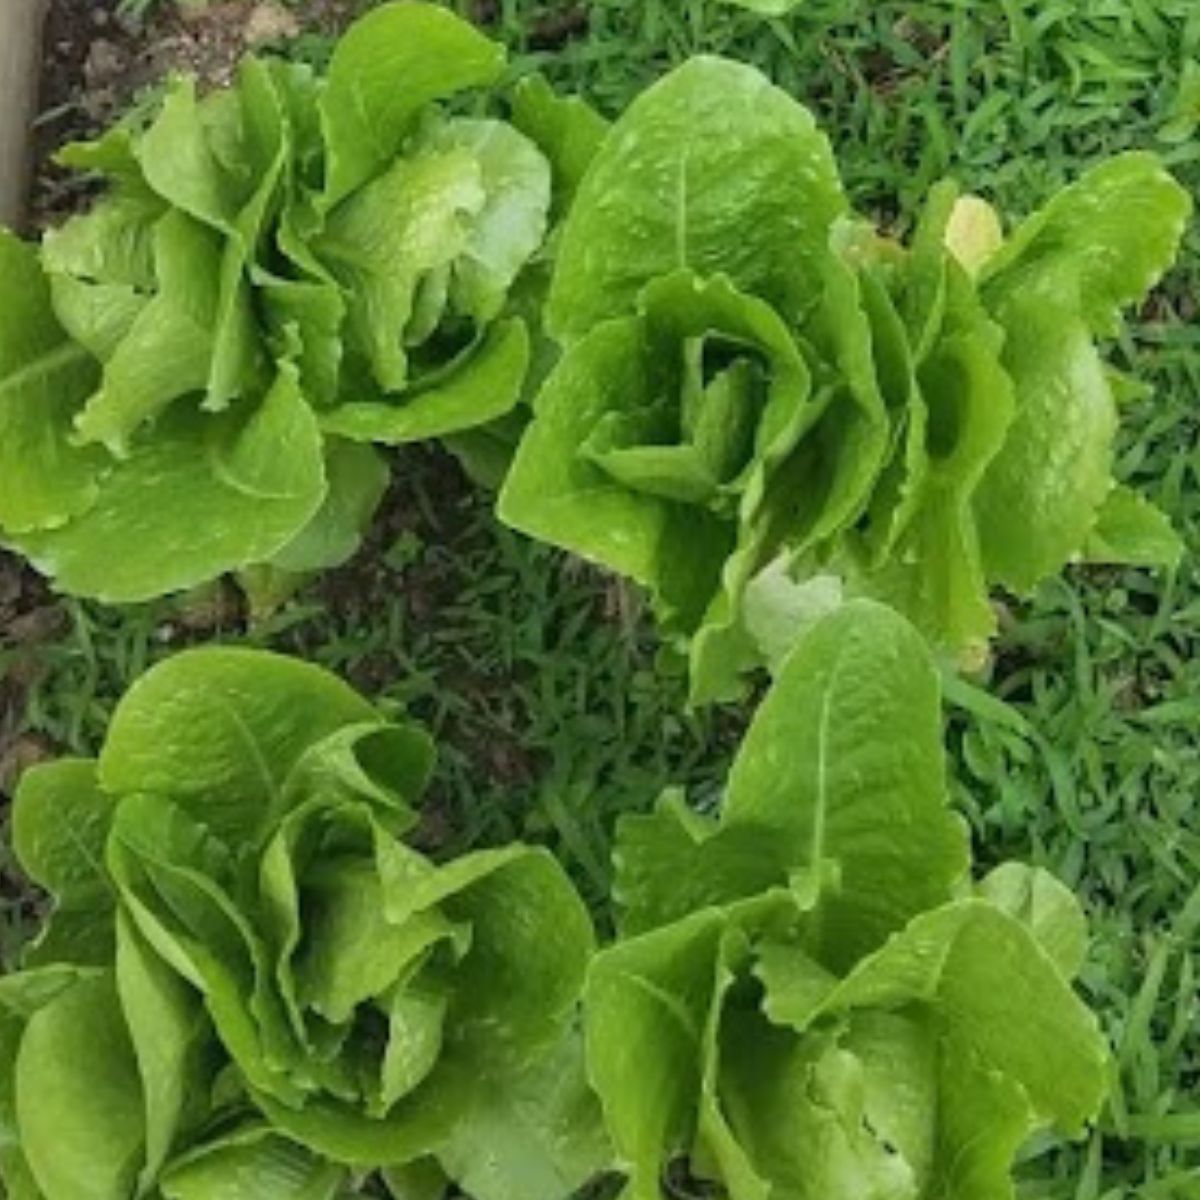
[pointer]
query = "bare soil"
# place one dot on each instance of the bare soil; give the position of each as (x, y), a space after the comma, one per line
(99, 62)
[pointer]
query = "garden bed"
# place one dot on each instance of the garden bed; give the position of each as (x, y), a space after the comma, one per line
(543, 680)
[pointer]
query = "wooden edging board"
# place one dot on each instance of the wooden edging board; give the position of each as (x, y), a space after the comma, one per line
(21, 24)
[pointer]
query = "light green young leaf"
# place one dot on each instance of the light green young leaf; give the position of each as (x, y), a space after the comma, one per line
(205, 495)
(416, 1022)
(507, 231)
(826, 485)
(351, 953)
(385, 70)
(985, 1119)
(896, 494)
(717, 1152)
(384, 240)
(61, 819)
(818, 490)
(521, 1132)
(997, 991)
(556, 494)
(180, 155)
(1112, 234)
(898, 1052)
(648, 447)
(304, 317)
(101, 268)
(486, 1107)
(647, 1006)
(714, 170)
(1051, 912)
(177, 883)
(111, 154)
(799, 1109)
(263, 148)
(386, 765)
(44, 378)
(674, 862)
(168, 349)
(934, 573)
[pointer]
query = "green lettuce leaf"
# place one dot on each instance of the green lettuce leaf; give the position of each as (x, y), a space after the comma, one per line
(61, 819)
(385, 70)
(205, 495)
(934, 571)
(806, 999)
(711, 170)
(567, 130)
(953, 382)
(1129, 529)
(231, 865)
(292, 249)
(1063, 277)
(47, 480)
(252, 1163)
(78, 1106)
(220, 730)
(655, 436)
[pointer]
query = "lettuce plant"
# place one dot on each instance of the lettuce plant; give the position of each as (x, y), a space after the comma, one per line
(810, 999)
(249, 976)
(250, 981)
(279, 277)
(763, 405)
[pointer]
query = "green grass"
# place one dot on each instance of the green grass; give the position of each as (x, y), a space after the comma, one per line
(543, 681)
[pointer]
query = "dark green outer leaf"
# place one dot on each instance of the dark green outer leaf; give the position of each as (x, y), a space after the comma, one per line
(78, 1096)
(252, 1164)
(61, 820)
(567, 130)
(219, 730)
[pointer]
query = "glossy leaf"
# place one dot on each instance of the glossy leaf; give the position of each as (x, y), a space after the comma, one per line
(711, 149)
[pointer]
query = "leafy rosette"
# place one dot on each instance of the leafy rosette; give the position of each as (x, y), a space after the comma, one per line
(280, 275)
(809, 998)
(763, 406)
(247, 970)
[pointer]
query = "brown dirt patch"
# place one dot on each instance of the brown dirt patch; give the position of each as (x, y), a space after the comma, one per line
(30, 618)
(98, 63)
